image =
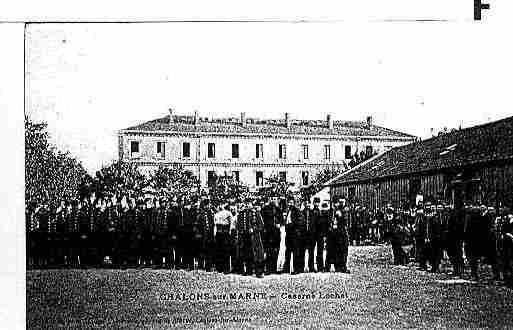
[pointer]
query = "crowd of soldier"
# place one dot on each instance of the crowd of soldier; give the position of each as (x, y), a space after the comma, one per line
(242, 237)
(471, 233)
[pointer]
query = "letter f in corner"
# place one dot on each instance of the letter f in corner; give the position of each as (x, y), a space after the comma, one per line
(478, 7)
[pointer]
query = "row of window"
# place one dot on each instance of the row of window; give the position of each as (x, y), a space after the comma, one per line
(259, 150)
(259, 177)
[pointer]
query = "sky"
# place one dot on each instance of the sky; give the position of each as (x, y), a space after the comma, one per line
(87, 81)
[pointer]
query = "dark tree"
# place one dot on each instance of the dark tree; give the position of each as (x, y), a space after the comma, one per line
(225, 188)
(173, 180)
(50, 174)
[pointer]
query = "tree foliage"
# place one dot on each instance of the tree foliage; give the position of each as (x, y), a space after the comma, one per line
(119, 178)
(225, 187)
(172, 180)
(275, 186)
(50, 174)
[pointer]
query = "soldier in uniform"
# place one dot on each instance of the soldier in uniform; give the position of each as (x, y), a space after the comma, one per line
(195, 246)
(175, 223)
(52, 236)
(321, 235)
(507, 245)
(434, 237)
(149, 236)
(395, 234)
(83, 238)
(234, 253)
(113, 230)
(131, 216)
(272, 216)
(74, 233)
(165, 253)
(249, 228)
(206, 222)
(66, 235)
(188, 243)
(60, 232)
(311, 218)
(223, 220)
(103, 232)
(94, 224)
(139, 231)
(294, 238)
(123, 234)
(379, 225)
(454, 241)
(443, 215)
(354, 225)
(159, 234)
(100, 231)
(338, 239)
(364, 224)
(478, 240)
(42, 235)
(240, 241)
(488, 215)
(420, 237)
(30, 228)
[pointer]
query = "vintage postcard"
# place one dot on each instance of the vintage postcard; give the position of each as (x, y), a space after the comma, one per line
(268, 171)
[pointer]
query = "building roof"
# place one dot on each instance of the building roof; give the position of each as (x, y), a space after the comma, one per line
(258, 126)
(474, 145)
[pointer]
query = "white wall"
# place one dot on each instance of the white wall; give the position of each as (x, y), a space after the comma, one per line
(247, 164)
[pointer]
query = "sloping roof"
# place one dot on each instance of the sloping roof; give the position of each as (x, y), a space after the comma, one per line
(479, 144)
(352, 169)
(255, 126)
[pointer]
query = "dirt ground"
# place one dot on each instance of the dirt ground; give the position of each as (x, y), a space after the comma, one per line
(375, 294)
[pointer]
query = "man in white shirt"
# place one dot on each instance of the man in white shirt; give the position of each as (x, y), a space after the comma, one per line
(223, 221)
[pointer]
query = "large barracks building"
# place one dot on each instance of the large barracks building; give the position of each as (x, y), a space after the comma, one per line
(473, 165)
(252, 150)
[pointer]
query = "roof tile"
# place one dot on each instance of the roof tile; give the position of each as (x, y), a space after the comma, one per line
(232, 125)
(489, 142)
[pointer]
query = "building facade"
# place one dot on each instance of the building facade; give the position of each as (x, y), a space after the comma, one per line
(472, 165)
(253, 150)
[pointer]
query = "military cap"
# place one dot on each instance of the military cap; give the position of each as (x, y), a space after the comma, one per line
(316, 199)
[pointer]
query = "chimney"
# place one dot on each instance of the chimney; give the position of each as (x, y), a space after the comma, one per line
(243, 119)
(330, 121)
(369, 122)
(171, 117)
(196, 117)
(287, 119)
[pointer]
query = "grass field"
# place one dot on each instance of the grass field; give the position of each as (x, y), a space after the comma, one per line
(375, 295)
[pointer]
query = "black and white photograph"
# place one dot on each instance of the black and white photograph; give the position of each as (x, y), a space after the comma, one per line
(320, 170)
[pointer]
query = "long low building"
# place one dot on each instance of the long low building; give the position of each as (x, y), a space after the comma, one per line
(468, 165)
(252, 150)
